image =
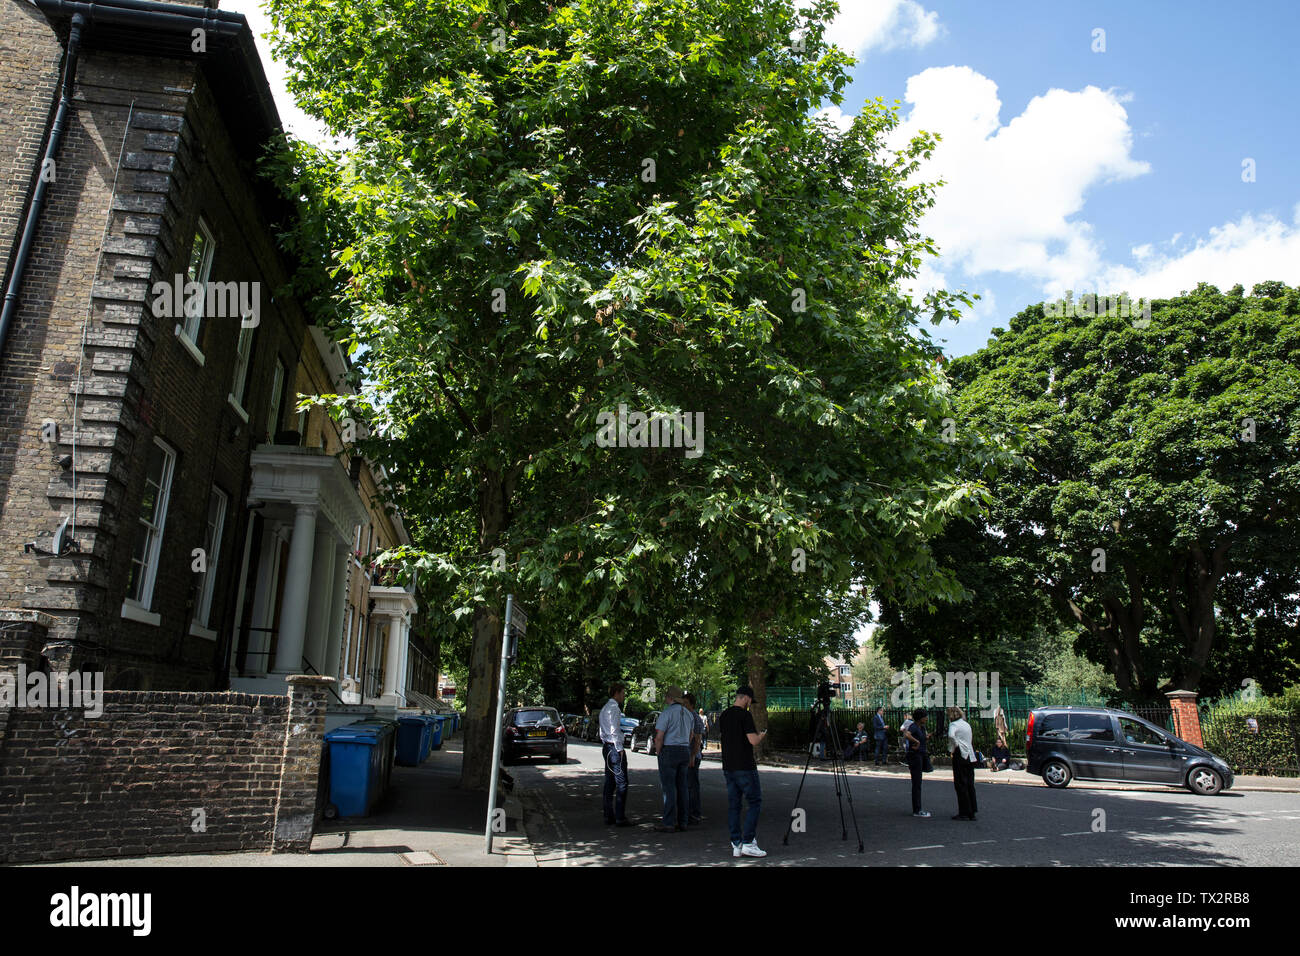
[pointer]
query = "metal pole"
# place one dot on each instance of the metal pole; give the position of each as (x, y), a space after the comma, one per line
(501, 709)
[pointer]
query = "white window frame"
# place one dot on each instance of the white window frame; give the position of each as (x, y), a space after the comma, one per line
(274, 413)
(243, 359)
(155, 531)
(189, 326)
(212, 538)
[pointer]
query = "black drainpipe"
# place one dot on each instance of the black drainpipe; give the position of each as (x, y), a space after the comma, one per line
(53, 139)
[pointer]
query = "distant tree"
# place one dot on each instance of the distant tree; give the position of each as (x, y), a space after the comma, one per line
(1158, 513)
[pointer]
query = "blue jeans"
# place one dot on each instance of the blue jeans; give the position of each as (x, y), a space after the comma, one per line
(615, 783)
(673, 762)
(743, 784)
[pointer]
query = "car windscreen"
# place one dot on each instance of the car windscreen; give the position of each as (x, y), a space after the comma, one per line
(535, 717)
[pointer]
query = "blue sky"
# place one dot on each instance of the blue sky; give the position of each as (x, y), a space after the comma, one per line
(1115, 170)
(1073, 168)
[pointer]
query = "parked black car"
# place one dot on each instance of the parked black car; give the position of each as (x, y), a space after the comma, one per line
(533, 732)
(645, 733)
(630, 724)
(1099, 743)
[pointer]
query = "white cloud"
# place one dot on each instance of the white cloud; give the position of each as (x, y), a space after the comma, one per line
(837, 116)
(1252, 249)
(1010, 190)
(863, 25)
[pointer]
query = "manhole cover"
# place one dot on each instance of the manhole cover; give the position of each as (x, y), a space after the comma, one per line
(423, 858)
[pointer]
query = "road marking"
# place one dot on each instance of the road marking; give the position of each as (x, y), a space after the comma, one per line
(1077, 833)
(1057, 809)
(977, 842)
(1023, 839)
(932, 846)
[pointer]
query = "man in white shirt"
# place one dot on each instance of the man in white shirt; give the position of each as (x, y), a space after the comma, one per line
(611, 747)
(962, 747)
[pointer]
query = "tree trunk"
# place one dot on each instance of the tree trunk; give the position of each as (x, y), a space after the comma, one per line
(756, 667)
(1192, 597)
(485, 653)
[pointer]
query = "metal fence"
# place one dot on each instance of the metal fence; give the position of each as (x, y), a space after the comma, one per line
(1011, 698)
(1259, 744)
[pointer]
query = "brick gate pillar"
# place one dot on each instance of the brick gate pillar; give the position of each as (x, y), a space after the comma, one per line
(304, 732)
(1187, 718)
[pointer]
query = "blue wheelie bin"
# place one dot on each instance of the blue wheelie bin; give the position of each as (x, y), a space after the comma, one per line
(413, 739)
(386, 746)
(439, 723)
(356, 770)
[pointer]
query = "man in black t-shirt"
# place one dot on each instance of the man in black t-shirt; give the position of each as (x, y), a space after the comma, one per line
(739, 737)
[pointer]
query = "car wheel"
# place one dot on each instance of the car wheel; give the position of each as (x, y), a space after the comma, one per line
(1056, 774)
(561, 757)
(1204, 781)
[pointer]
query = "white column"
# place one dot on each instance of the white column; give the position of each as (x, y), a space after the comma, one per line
(406, 653)
(320, 602)
(338, 601)
(396, 640)
(297, 586)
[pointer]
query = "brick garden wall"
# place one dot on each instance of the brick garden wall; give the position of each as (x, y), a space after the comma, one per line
(128, 783)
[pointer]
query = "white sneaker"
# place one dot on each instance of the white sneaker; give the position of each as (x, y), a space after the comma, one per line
(751, 849)
(921, 813)
(735, 849)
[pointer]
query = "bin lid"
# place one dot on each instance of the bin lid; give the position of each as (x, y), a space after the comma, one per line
(409, 719)
(352, 734)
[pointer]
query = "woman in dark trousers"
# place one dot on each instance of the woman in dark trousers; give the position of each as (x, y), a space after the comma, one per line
(917, 757)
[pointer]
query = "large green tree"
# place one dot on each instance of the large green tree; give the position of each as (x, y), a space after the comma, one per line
(548, 212)
(1159, 511)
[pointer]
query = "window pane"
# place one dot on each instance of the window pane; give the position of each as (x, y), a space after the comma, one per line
(1136, 733)
(1052, 726)
(197, 253)
(1091, 727)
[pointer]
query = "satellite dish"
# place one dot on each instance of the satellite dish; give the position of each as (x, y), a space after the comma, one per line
(59, 537)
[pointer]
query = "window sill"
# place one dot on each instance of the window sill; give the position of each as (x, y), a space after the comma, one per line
(134, 612)
(189, 346)
(203, 632)
(239, 409)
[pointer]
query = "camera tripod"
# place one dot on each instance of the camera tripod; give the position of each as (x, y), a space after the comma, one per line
(823, 728)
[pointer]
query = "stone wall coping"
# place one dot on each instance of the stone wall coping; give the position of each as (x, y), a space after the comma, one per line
(26, 616)
(319, 680)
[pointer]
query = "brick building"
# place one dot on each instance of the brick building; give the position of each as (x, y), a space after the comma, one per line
(162, 500)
